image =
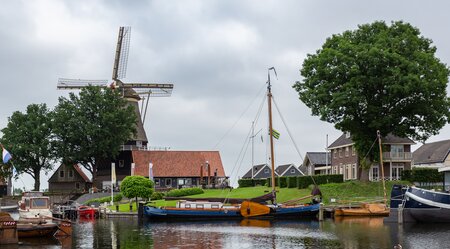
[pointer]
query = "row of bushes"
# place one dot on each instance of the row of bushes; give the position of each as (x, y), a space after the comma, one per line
(422, 175)
(292, 181)
(184, 192)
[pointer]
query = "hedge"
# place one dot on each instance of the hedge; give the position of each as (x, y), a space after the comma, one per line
(422, 175)
(184, 192)
(305, 181)
(282, 181)
(291, 181)
(251, 182)
(117, 197)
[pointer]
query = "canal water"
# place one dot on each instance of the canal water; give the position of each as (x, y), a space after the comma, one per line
(339, 233)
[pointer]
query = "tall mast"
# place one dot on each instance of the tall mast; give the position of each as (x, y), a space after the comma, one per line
(272, 158)
(382, 166)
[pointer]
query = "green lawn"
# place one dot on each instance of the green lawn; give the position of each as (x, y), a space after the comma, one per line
(342, 193)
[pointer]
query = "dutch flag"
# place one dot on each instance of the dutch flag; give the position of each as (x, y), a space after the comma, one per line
(6, 156)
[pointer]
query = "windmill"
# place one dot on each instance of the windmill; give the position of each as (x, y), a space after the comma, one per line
(132, 92)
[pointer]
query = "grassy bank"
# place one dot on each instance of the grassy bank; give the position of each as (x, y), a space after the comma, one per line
(341, 193)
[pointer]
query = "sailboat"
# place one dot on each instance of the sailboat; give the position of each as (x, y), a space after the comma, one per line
(208, 208)
(369, 209)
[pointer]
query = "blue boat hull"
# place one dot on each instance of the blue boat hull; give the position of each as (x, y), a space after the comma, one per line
(420, 204)
(279, 212)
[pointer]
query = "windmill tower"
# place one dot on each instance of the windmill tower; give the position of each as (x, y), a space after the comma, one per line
(132, 92)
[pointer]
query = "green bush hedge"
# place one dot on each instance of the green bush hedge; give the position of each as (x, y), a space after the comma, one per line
(157, 196)
(305, 181)
(422, 175)
(251, 182)
(282, 181)
(291, 181)
(184, 192)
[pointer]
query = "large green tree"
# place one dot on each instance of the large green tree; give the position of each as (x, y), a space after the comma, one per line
(27, 137)
(377, 77)
(91, 127)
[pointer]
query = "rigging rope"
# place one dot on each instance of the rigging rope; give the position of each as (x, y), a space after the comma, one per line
(242, 114)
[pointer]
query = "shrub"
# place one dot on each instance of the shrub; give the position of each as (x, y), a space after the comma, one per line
(245, 183)
(305, 181)
(422, 175)
(184, 192)
(117, 197)
(157, 195)
(282, 181)
(291, 181)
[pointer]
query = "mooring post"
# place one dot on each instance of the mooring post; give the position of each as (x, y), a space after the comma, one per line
(400, 214)
(140, 211)
(321, 212)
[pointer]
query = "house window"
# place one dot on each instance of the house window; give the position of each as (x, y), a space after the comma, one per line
(71, 173)
(354, 171)
(341, 171)
(61, 173)
(374, 173)
(180, 181)
(121, 163)
(340, 152)
(334, 153)
(397, 151)
(353, 150)
(347, 134)
(347, 151)
(156, 182)
(292, 171)
(168, 182)
(266, 171)
(77, 185)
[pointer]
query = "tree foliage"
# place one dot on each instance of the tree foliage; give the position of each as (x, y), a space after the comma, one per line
(378, 77)
(136, 186)
(92, 126)
(27, 137)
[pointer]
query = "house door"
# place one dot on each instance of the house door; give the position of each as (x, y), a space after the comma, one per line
(397, 169)
(374, 173)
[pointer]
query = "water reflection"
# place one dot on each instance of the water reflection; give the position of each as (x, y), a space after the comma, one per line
(342, 232)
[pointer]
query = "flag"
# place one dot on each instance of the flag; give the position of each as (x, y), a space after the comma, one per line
(150, 171)
(275, 134)
(132, 168)
(113, 173)
(6, 156)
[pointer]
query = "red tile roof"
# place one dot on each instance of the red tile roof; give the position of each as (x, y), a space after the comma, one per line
(177, 163)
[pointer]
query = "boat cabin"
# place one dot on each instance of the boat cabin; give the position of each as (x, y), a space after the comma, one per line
(34, 200)
(199, 205)
(446, 171)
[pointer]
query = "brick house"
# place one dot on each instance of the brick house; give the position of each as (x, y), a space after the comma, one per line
(69, 179)
(178, 169)
(397, 157)
(316, 163)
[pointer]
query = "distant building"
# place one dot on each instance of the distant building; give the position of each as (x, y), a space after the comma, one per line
(396, 158)
(317, 163)
(69, 179)
(264, 171)
(260, 171)
(432, 155)
(178, 169)
(288, 170)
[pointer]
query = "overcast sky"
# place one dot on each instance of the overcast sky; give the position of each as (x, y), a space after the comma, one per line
(216, 53)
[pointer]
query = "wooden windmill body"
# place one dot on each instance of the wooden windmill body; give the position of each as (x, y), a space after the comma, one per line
(133, 92)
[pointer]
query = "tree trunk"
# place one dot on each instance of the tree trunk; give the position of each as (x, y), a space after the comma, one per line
(37, 180)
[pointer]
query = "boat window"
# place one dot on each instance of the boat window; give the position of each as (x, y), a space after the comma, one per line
(214, 206)
(61, 173)
(27, 202)
(187, 206)
(39, 203)
(200, 206)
